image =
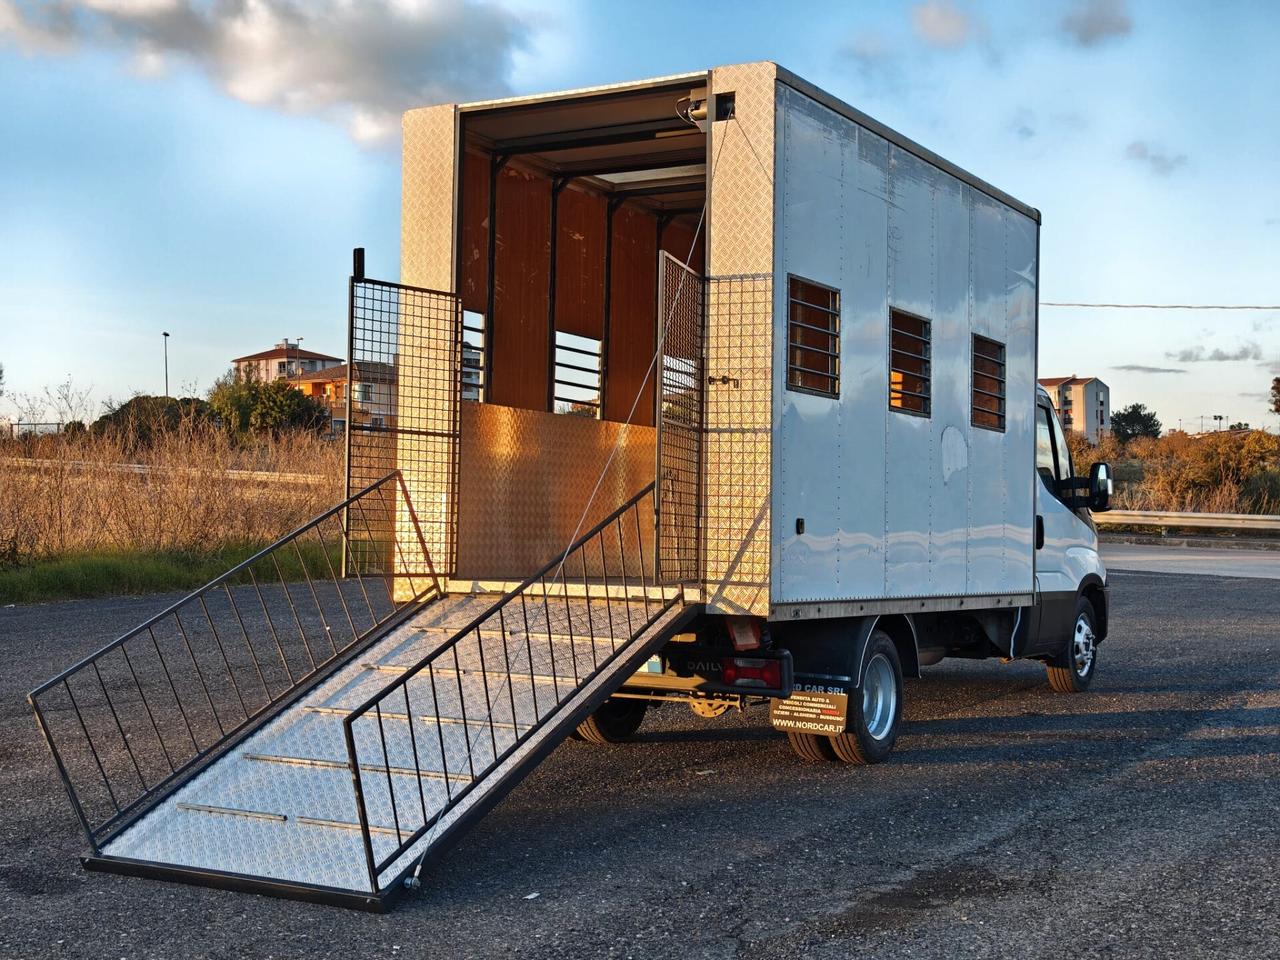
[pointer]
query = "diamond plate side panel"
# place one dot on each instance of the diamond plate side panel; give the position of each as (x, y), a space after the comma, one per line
(740, 236)
(429, 183)
(427, 345)
(527, 476)
(739, 343)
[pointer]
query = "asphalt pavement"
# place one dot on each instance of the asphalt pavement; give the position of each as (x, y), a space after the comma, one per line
(1137, 820)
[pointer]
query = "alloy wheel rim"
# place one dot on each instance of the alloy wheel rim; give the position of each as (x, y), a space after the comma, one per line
(1083, 647)
(879, 697)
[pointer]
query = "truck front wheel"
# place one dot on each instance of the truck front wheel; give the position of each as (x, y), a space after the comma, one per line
(1072, 669)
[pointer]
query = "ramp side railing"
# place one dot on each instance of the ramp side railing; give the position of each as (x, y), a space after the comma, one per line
(419, 746)
(133, 720)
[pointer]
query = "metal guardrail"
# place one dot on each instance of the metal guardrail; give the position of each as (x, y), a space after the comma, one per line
(1210, 521)
(146, 469)
(133, 720)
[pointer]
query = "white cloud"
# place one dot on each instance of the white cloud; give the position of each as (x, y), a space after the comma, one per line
(1197, 354)
(940, 23)
(360, 63)
(1144, 368)
(1154, 159)
(1090, 22)
(132, 8)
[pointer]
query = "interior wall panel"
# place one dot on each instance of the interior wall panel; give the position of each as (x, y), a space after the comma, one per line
(519, 375)
(473, 257)
(633, 316)
(580, 263)
(679, 238)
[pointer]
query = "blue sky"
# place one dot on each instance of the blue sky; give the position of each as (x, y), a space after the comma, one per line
(205, 166)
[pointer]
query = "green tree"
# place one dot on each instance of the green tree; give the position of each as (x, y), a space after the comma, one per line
(232, 401)
(1134, 421)
(282, 407)
(1275, 395)
(249, 406)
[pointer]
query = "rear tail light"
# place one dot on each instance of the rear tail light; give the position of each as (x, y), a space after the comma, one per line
(751, 672)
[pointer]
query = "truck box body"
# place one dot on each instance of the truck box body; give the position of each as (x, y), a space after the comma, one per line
(896, 504)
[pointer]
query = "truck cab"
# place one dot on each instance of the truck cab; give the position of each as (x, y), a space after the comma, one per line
(1071, 579)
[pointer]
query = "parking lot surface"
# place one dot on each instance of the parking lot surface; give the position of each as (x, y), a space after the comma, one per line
(1137, 820)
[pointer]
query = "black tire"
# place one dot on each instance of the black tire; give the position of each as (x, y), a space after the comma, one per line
(614, 721)
(870, 738)
(1072, 670)
(811, 747)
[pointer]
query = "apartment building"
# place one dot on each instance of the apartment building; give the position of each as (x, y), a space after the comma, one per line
(285, 361)
(1083, 404)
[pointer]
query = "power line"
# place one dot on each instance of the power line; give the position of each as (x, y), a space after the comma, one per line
(1164, 306)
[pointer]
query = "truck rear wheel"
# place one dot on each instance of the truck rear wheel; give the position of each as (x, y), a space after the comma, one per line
(1072, 670)
(875, 709)
(614, 721)
(811, 747)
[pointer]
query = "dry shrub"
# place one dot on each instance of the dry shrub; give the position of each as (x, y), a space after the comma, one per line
(69, 494)
(1228, 472)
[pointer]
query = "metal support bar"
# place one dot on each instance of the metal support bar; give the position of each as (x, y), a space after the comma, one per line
(557, 187)
(496, 163)
(611, 208)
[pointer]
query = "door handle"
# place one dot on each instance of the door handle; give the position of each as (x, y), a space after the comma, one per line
(1039, 532)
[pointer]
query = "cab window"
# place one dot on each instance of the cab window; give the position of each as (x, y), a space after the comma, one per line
(1062, 450)
(1045, 464)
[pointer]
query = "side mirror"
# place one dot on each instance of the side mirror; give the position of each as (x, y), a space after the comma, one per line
(1100, 487)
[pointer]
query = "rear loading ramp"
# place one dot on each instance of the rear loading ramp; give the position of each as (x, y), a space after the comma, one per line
(388, 757)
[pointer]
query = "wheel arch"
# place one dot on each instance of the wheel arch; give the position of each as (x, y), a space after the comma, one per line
(835, 650)
(901, 629)
(1094, 590)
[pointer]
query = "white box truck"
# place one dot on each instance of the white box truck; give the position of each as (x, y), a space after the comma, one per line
(707, 389)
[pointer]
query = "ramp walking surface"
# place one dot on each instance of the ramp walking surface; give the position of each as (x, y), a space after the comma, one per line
(1137, 820)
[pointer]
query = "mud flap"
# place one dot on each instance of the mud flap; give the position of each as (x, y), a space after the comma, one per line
(811, 708)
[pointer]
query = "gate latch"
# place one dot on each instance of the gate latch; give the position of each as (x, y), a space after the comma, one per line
(724, 379)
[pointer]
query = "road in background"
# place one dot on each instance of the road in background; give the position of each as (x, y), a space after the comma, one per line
(1137, 820)
(1221, 562)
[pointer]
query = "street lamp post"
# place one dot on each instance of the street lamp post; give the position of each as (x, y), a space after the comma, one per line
(166, 363)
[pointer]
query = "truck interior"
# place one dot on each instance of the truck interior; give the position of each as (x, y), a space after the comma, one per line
(565, 208)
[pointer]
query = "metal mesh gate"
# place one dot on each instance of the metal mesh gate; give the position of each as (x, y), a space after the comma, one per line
(681, 382)
(403, 394)
(736, 442)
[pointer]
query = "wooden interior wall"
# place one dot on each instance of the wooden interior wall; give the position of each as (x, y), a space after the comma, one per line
(519, 375)
(473, 256)
(580, 263)
(520, 338)
(632, 324)
(678, 237)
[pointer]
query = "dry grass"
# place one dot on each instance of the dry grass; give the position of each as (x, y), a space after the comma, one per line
(67, 496)
(1214, 473)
